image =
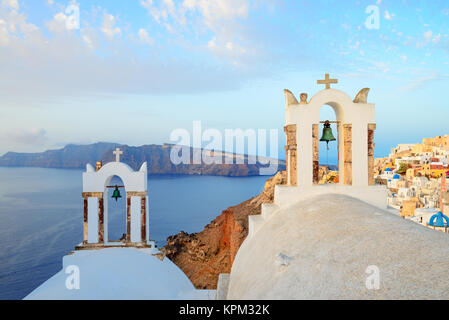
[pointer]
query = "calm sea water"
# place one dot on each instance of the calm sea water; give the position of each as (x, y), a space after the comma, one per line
(41, 217)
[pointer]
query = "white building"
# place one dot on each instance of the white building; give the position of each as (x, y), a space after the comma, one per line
(393, 181)
(419, 182)
(324, 242)
(387, 174)
(405, 193)
(416, 160)
(423, 215)
(401, 148)
(130, 269)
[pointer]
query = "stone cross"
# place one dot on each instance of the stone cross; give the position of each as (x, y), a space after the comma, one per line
(327, 81)
(117, 153)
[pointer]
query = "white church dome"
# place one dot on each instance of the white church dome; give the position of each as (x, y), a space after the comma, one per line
(118, 273)
(338, 247)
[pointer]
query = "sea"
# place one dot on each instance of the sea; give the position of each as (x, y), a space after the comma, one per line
(41, 217)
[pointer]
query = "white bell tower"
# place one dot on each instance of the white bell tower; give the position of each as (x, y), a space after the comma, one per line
(95, 184)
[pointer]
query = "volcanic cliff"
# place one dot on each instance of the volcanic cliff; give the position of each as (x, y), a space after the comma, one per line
(158, 158)
(204, 255)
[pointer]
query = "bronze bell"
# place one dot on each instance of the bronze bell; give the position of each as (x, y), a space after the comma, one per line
(116, 195)
(327, 133)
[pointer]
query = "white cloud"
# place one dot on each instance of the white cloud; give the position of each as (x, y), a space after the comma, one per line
(13, 4)
(428, 37)
(211, 44)
(221, 18)
(88, 41)
(164, 12)
(108, 27)
(436, 39)
(214, 10)
(144, 37)
(389, 16)
(421, 82)
(4, 34)
(78, 64)
(28, 137)
(13, 24)
(58, 24)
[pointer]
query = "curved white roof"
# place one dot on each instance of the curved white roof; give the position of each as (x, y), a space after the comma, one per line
(119, 273)
(322, 248)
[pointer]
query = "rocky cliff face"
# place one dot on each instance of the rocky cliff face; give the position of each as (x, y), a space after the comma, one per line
(157, 157)
(203, 256)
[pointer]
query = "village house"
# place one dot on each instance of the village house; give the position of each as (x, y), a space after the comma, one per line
(434, 169)
(422, 215)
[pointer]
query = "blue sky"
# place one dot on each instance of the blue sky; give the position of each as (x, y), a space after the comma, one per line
(136, 70)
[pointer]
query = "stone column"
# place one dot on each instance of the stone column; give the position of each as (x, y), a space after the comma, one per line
(347, 141)
(100, 214)
(316, 159)
(371, 145)
(291, 149)
(86, 224)
(143, 220)
(100, 220)
(128, 218)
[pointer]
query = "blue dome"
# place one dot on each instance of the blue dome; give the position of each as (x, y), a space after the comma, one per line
(388, 170)
(439, 220)
(396, 177)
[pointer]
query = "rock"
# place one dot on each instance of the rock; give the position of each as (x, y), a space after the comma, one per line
(157, 157)
(205, 255)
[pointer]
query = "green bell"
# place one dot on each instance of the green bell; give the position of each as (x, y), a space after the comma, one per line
(116, 194)
(327, 133)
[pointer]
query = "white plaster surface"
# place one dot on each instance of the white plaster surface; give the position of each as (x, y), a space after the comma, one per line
(330, 242)
(287, 195)
(348, 112)
(120, 273)
(92, 218)
(135, 219)
(222, 286)
(133, 181)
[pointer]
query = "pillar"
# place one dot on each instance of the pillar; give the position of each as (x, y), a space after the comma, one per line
(143, 220)
(291, 149)
(347, 141)
(371, 145)
(85, 224)
(316, 160)
(100, 220)
(136, 216)
(128, 218)
(99, 214)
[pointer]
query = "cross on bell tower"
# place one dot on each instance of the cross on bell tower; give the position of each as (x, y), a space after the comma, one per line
(327, 81)
(117, 153)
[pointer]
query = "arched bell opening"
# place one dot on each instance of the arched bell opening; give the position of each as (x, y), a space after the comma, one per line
(326, 140)
(115, 208)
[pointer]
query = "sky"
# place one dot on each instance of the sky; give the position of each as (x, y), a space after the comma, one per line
(134, 71)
